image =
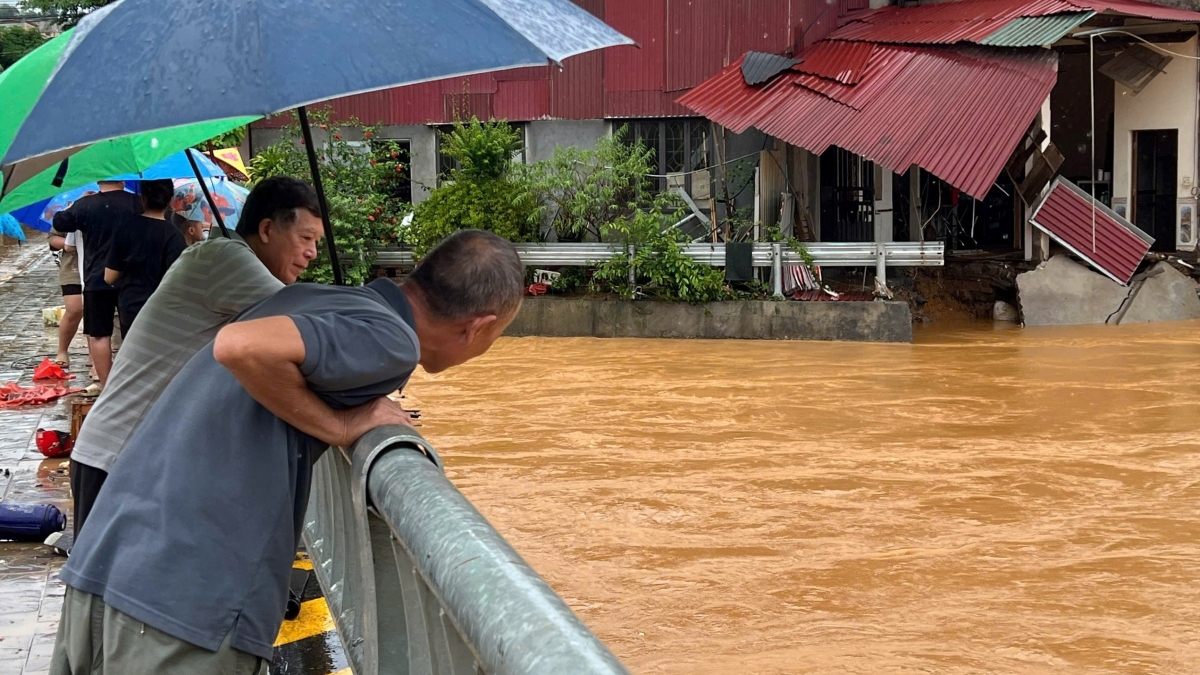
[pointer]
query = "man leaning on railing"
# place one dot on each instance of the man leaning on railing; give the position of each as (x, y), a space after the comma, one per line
(184, 565)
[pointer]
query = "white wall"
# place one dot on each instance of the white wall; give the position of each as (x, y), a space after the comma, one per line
(1168, 102)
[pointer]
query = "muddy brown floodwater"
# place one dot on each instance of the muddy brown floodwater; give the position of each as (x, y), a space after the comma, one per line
(984, 501)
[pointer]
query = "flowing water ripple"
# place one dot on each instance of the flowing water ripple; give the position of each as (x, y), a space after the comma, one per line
(983, 501)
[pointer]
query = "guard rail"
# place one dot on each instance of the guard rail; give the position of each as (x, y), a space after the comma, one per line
(419, 583)
(826, 254)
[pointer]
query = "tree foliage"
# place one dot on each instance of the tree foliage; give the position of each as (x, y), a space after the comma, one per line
(357, 178)
(483, 192)
(584, 190)
(67, 12)
(15, 42)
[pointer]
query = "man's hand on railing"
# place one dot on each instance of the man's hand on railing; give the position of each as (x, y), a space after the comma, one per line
(361, 419)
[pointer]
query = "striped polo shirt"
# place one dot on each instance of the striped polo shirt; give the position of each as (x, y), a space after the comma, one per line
(210, 284)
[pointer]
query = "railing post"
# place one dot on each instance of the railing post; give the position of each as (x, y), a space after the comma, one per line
(777, 269)
(632, 271)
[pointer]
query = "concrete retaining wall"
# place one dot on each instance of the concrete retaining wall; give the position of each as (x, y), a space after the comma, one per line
(746, 320)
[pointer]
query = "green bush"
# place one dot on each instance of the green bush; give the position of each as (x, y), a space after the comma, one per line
(481, 193)
(357, 181)
(661, 270)
(585, 190)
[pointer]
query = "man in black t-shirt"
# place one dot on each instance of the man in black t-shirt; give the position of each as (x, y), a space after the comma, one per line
(97, 218)
(142, 250)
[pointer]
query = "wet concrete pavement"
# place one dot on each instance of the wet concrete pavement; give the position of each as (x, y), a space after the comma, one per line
(30, 592)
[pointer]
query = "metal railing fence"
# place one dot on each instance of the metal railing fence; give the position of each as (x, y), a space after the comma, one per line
(419, 583)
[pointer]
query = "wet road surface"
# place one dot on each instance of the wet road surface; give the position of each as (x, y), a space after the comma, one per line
(983, 501)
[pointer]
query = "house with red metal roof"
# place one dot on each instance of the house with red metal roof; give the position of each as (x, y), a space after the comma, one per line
(859, 121)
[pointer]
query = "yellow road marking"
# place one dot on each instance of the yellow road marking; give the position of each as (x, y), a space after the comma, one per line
(343, 671)
(314, 619)
(305, 564)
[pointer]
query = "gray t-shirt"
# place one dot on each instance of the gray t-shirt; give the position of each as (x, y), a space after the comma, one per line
(207, 286)
(197, 525)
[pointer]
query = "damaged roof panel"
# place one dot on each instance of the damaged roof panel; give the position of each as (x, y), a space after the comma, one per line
(839, 60)
(1035, 31)
(1109, 243)
(758, 67)
(1003, 23)
(955, 112)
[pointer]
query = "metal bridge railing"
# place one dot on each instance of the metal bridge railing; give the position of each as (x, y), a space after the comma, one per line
(419, 583)
(826, 254)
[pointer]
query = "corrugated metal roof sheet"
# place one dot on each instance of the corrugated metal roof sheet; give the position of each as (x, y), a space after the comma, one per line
(1035, 31)
(1143, 9)
(979, 21)
(955, 112)
(642, 69)
(696, 40)
(1115, 247)
(838, 60)
(758, 67)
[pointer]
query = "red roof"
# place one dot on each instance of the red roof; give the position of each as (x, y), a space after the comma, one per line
(1113, 246)
(836, 60)
(957, 113)
(975, 20)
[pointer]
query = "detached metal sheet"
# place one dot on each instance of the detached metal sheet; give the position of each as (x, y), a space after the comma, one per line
(1113, 245)
(839, 60)
(1143, 9)
(1035, 31)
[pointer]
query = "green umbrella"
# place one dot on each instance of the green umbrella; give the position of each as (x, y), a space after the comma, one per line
(20, 87)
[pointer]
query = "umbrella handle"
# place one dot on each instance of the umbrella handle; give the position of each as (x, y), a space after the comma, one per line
(315, 170)
(208, 197)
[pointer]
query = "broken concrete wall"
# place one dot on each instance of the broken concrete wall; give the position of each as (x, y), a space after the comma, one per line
(1061, 292)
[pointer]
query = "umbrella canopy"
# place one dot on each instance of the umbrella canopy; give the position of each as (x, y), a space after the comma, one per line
(9, 227)
(236, 58)
(40, 216)
(20, 87)
(189, 200)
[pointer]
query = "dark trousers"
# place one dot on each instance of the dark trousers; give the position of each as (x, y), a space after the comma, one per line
(86, 482)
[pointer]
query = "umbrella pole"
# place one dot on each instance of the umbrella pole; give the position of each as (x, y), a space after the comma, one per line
(302, 113)
(208, 197)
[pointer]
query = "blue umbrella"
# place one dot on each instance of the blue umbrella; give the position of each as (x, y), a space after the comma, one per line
(40, 216)
(9, 227)
(233, 58)
(177, 166)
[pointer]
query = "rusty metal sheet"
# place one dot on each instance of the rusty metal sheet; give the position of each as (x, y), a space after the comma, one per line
(522, 74)
(760, 26)
(482, 83)
(696, 40)
(522, 100)
(577, 90)
(641, 68)
(632, 104)
(1106, 241)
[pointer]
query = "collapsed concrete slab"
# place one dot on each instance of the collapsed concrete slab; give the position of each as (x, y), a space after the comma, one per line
(1161, 294)
(1061, 292)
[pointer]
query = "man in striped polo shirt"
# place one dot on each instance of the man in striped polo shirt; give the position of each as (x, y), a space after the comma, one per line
(210, 284)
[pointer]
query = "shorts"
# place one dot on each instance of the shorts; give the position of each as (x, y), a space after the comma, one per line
(98, 310)
(86, 482)
(72, 289)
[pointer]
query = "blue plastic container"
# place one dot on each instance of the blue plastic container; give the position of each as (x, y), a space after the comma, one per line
(30, 522)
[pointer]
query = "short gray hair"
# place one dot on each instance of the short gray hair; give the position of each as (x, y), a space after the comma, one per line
(471, 273)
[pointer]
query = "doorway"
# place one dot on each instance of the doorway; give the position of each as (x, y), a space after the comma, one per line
(1155, 166)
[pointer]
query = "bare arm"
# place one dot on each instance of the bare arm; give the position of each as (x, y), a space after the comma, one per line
(265, 355)
(111, 276)
(57, 242)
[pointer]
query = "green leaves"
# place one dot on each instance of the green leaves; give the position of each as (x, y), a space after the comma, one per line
(358, 181)
(482, 193)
